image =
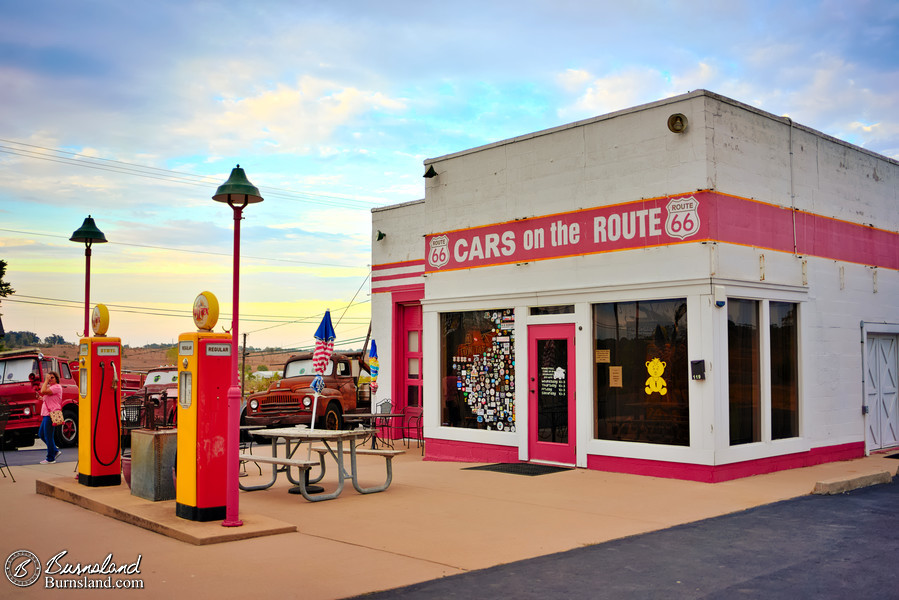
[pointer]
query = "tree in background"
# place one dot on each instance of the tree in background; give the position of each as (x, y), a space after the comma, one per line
(5, 290)
(20, 339)
(54, 340)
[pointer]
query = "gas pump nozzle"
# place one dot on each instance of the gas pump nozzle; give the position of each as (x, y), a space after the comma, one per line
(115, 376)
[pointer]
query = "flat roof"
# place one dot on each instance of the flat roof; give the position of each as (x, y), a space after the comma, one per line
(670, 100)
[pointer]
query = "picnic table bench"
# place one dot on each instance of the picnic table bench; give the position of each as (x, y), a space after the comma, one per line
(303, 465)
(387, 454)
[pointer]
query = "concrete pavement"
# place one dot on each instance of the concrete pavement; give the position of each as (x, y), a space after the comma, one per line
(437, 519)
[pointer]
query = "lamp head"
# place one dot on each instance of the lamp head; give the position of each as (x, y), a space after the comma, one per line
(238, 186)
(88, 233)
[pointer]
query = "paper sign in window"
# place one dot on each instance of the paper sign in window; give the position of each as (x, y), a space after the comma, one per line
(604, 356)
(615, 377)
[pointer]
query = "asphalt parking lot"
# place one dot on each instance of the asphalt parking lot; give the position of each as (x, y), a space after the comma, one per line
(35, 454)
(823, 547)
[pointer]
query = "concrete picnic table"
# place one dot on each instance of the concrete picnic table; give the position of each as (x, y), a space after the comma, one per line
(302, 435)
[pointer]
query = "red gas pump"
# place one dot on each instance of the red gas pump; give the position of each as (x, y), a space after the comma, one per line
(99, 407)
(204, 376)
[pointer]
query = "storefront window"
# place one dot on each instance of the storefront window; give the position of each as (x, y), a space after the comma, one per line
(642, 372)
(478, 366)
(744, 376)
(784, 371)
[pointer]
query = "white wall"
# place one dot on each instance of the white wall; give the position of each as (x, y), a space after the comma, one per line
(618, 158)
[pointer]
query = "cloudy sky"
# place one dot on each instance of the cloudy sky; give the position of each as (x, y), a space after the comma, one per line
(134, 112)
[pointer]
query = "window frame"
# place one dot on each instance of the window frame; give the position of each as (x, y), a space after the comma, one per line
(767, 440)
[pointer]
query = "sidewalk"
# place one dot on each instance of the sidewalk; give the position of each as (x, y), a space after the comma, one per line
(437, 519)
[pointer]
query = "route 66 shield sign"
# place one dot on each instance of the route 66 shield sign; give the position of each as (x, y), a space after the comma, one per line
(683, 217)
(438, 251)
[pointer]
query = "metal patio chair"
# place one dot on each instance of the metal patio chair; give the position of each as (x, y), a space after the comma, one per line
(4, 418)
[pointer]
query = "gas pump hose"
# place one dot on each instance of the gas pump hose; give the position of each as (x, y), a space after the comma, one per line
(97, 417)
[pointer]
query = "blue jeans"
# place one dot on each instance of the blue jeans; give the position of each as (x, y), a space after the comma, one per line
(46, 433)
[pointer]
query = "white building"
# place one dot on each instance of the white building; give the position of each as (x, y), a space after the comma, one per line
(692, 288)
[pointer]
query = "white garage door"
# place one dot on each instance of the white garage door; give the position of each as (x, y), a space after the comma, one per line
(881, 389)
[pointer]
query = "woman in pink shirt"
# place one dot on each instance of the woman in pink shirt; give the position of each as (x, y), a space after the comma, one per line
(51, 392)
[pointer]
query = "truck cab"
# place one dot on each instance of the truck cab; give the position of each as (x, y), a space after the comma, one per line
(21, 374)
(290, 400)
(154, 403)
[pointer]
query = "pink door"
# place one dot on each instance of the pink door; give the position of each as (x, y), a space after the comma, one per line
(407, 393)
(551, 409)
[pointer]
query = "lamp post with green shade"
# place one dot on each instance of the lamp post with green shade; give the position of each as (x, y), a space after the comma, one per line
(88, 234)
(237, 193)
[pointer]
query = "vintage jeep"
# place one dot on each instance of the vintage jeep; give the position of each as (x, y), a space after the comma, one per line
(289, 401)
(21, 374)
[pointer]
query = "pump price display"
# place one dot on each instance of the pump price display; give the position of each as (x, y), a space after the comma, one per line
(107, 351)
(185, 348)
(218, 350)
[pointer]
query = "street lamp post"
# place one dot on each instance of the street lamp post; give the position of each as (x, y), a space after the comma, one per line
(88, 234)
(237, 193)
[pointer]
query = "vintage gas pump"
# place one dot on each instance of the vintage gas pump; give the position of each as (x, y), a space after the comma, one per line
(204, 376)
(99, 406)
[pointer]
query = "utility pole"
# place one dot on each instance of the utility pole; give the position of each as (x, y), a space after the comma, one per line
(243, 365)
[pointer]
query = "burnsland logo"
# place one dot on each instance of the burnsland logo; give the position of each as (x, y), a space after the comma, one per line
(23, 569)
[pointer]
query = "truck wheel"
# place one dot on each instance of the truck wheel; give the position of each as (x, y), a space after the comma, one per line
(333, 417)
(67, 433)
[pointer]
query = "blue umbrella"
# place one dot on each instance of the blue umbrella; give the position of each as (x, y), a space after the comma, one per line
(324, 347)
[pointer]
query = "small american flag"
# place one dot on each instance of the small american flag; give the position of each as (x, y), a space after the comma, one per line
(324, 347)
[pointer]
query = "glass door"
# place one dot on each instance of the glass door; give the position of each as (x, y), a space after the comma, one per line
(551, 409)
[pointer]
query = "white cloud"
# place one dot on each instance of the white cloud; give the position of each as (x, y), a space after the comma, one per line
(288, 118)
(615, 91)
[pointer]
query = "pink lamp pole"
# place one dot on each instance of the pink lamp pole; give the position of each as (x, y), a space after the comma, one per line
(237, 193)
(87, 234)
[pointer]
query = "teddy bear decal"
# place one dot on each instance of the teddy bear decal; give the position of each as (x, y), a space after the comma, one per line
(655, 383)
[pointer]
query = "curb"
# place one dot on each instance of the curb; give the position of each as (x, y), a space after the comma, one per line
(841, 485)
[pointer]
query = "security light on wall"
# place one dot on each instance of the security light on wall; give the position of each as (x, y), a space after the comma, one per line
(430, 172)
(677, 123)
(381, 235)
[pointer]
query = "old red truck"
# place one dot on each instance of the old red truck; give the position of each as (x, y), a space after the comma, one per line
(21, 374)
(289, 401)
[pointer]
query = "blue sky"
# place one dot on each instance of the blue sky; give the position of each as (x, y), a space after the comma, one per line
(135, 112)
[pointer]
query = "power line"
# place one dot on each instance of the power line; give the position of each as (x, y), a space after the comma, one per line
(338, 320)
(206, 252)
(302, 348)
(179, 177)
(177, 311)
(60, 303)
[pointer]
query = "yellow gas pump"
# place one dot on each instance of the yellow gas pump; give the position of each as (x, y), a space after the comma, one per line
(204, 376)
(99, 405)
